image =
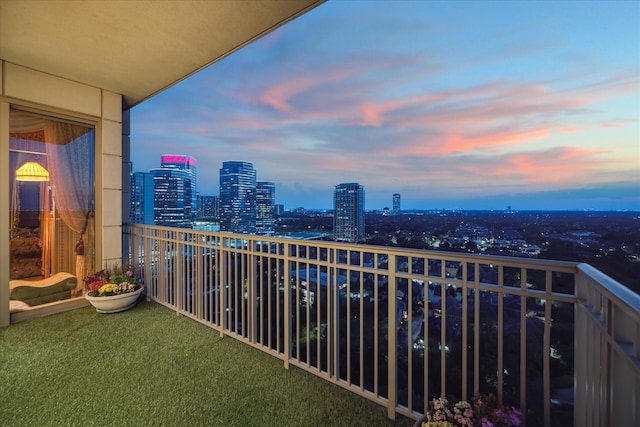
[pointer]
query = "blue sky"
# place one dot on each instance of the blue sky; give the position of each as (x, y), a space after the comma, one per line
(454, 105)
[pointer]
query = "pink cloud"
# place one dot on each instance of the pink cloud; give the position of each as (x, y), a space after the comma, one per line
(246, 122)
(371, 114)
(456, 143)
(278, 96)
(560, 165)
(492, 114)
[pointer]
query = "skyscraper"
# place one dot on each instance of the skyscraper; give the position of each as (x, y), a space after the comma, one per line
(348, 212)
(172, 197)
(238, 197)
(396, 204)
(187, 164)
(141, 211)
(265, 203)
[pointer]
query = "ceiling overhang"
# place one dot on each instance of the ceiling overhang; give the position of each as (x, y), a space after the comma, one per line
(136, 48)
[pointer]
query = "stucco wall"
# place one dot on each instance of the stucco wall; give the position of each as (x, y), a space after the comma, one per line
(58, 96)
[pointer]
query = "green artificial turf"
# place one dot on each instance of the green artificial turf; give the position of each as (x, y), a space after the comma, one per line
(147, 366)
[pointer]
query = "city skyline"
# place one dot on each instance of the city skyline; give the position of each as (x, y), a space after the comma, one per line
(453, 105)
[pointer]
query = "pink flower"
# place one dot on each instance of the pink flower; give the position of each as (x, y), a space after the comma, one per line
(485, 411)
(129, 273)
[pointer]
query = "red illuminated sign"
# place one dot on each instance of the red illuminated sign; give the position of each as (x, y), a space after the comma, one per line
(180, 160)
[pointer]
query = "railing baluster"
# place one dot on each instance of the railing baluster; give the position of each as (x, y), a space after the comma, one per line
(287, 311)
(500, 349)
(391, 332)
(523, 343)
(465, 331)
(476, 331)
(546, 350)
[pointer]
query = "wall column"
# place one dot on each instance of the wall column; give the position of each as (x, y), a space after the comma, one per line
(5, 316)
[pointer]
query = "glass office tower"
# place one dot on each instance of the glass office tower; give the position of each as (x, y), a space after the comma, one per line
(348, 215)
(238, 197)
(141, 211)
(265, 203)
(172, 197)
(187, 164)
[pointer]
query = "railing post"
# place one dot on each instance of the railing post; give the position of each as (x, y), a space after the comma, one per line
(177, 272)
(222, 260)
(162, 264)
(332, 328)
(391, 332)
(580, 354)
(287, 308)
(148, 260)
(252, 290)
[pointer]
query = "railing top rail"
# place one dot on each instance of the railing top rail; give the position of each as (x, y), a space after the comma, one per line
(536, 263)
(612, 289)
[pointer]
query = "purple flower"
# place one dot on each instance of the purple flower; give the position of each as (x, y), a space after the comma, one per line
(486, 422)
(129, 273)
(515, 417)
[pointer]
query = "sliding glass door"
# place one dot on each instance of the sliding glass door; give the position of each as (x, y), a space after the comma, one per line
(52, 205)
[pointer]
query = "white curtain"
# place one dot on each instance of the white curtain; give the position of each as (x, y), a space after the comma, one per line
(70, 154)
(46, 222)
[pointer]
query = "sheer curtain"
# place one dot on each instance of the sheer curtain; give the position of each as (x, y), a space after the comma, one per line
(46, 222)
(70, 160)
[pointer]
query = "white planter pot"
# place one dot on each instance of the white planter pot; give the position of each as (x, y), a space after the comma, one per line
(115, 303)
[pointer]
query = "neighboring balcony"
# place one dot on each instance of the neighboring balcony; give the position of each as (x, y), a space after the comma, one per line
(401, 327)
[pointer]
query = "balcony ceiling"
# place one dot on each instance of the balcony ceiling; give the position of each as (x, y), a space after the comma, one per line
(136, 48)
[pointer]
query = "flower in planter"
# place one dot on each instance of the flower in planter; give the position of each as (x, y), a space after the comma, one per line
(484, 411)
(114, 280)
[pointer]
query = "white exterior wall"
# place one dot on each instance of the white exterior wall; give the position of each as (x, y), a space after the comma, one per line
(58, 96)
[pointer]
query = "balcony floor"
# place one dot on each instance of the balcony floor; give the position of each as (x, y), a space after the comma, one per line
(147, 366)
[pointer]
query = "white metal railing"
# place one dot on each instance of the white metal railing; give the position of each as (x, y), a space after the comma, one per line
(607, 351)
(401, 326)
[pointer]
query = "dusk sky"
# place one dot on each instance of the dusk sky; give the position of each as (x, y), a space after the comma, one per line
(453, 104)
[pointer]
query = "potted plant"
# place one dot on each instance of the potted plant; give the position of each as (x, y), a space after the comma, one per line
(113, 289)
(483, 411)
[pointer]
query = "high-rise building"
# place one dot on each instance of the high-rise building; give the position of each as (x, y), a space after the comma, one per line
(396, 204)
(141, 211)
(348, 212)
(208, 208)
(238, 197)
(172, 197)
(187, 164)
(265, 206)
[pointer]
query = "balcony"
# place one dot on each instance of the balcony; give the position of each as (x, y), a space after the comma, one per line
(399, 327)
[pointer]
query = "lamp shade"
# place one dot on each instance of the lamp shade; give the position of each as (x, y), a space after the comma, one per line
(32, 171)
